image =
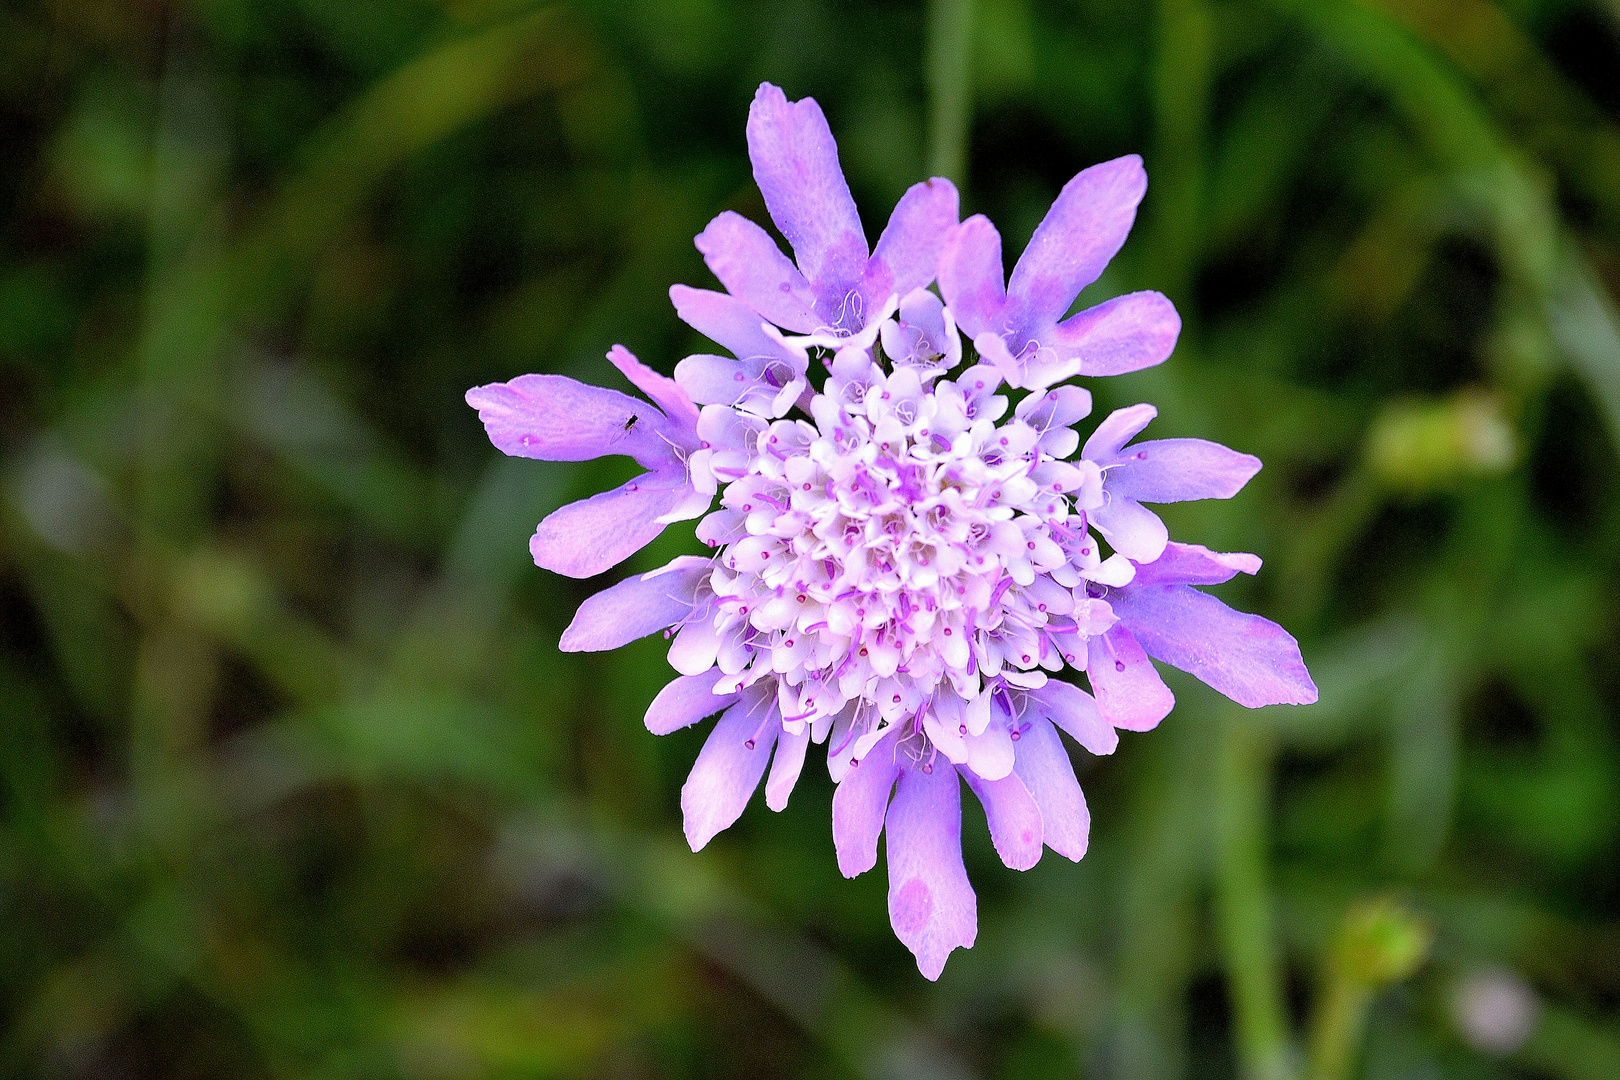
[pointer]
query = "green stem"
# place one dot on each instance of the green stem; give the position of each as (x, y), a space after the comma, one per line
(1243, 904)
(950, 105)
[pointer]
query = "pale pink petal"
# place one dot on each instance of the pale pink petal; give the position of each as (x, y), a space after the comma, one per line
(1130, 693)
(796, 167)
(753, 269)
(785, 767)
(1075, 711)
(585, 538)
(725, 319)
(1083, 230)
(1194, 564)
(931, 905)
(554, 418)
(1251, 660)
(907, 254)
(1013, 817)
(1178, 470)
(683, 415)
(1127, 333)
(971, 279)
(685, 701)
(1134, 531)
(727, 771)
(636, 607)
(1118, 428)
(859, 803)
(1044, 767)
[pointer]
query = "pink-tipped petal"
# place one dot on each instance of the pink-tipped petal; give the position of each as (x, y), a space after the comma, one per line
(727, 771)
(796, 167)
(636, 607)
(1251, 660)
(1013, 817)
(1179, 470)
(1075, 711)
(1044, 767)
(907, 254)
(1083, 230)
(754, 270)
(931, 905)
(1130, 693)
(971, 279)
(1125, 334)
(554, 418)
(585, 538)
(859, 803)
(685, 701)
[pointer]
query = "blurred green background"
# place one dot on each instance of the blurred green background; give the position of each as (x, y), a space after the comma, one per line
(295, 783)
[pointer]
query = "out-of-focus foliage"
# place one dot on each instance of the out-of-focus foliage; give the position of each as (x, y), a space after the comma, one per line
(294, 782)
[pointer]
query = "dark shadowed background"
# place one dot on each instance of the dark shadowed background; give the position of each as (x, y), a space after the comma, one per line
(295, 783)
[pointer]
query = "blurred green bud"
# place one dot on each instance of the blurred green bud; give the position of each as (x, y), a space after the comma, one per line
(1424, 446)
(1380, 943)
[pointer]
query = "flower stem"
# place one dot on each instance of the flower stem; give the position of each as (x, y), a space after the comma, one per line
(950, 105)
(1243, 903)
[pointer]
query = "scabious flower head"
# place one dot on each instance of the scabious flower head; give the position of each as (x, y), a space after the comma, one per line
(903, 560)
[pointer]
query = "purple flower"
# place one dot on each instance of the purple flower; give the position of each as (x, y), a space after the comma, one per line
(903, 559)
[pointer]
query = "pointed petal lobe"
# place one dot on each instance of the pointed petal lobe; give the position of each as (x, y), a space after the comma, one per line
(1251, 660)
(859, 804)
(727, 771)
(685, 701)
(1085, 228)
(1013, 817)
(931, 905)
(636, 607)
(1044, 767)
(1130, 693)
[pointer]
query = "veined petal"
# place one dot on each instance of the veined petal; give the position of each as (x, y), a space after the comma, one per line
(555, 418)
(727, 771)
(1135, 531)
(636, 607)
(971, 278)
(1075, 711)
(1013, 817)
(859, 804)
(1194, 564)
(585, 538)
(753, 269)
(907, 255)
(931, 905)
(1130, 693)
(1178, 470)
(1127, 333)
(1251, 660)
(796, 167)
(685, 701)
(1044, 767)
(1083, 230)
